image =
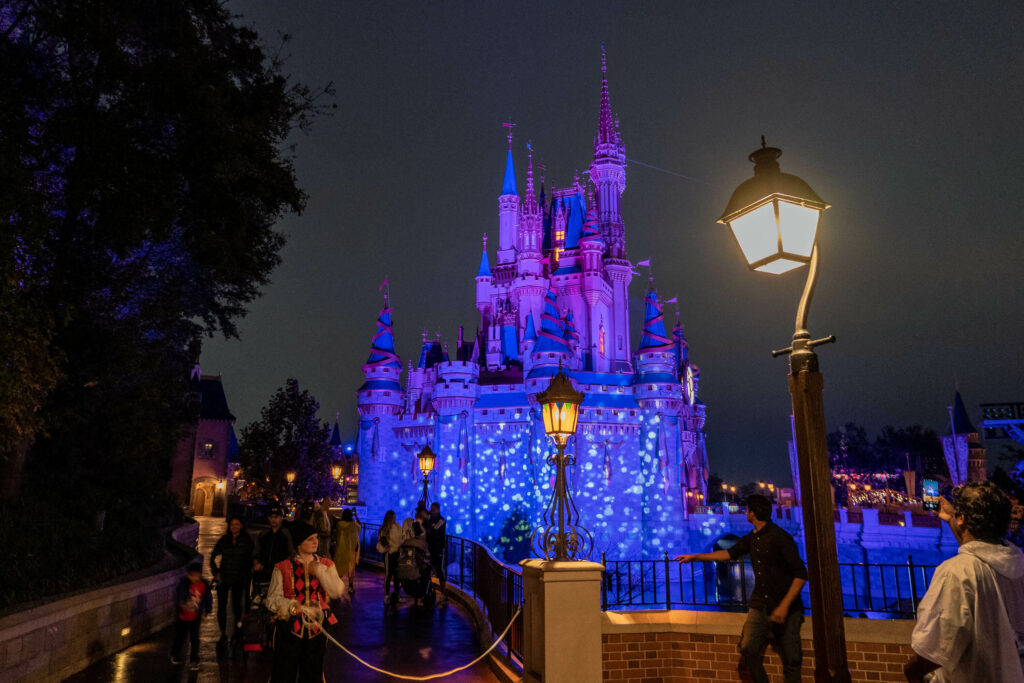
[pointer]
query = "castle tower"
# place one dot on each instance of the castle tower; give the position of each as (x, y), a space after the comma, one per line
(608, 171)
(484, 287)
(508, 212)
(965, 456)
(381, 393)
(551, 350)
(656, 382)
(529, 285)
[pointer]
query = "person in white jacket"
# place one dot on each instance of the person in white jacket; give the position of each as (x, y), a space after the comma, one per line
(301, 588)
(970, 623)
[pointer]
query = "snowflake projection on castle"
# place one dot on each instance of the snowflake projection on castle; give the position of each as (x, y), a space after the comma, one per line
(556, 296)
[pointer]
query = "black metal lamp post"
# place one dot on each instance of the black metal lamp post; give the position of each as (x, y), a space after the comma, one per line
(561, 538)
(427, 459)
(774, 217)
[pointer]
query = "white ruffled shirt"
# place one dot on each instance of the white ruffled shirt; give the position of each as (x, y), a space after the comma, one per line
(971, 620)
(328, 577)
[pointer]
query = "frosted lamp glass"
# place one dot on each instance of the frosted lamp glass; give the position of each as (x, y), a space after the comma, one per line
(797, 225)
(779, 266)
(757, 233)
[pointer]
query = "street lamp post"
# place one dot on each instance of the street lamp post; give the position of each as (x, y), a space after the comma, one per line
(336, 471)
(427, 459)
(561, 538)
(774, 217)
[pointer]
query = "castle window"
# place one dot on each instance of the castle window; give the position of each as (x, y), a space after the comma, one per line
(484, 412)
(650, 387)
(632, 413)
(600, 343)
(387, 393)
(501, 412)
(208, 451)
(620, 342)
(600, 412)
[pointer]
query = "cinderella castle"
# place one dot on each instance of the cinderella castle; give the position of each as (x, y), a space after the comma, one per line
(556, 294)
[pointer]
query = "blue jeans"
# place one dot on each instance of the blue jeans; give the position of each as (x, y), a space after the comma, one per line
(756, 631)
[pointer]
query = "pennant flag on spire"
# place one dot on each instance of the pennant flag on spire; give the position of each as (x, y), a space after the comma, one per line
(645, 262)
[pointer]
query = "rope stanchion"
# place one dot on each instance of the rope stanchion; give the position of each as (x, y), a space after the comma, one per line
(431, 676)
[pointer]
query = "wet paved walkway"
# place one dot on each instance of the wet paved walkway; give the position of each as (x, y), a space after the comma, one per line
(412, 641)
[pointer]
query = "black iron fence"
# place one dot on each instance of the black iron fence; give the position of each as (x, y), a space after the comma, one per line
(497, 587)
(889, 590)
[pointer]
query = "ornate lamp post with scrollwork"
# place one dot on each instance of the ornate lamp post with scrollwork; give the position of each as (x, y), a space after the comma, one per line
(426, 459)
(561, 538)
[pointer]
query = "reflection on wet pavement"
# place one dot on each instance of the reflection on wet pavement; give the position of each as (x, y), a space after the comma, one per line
(413, 641)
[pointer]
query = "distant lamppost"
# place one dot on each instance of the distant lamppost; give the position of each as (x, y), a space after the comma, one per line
(336, 475)
(427, 459)
(290, 478)
(561, 538)
(774, 217)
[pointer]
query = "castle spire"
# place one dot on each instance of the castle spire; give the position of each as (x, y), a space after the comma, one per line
(531, 199)
(508, 186)
(606, 126)
(485, 264)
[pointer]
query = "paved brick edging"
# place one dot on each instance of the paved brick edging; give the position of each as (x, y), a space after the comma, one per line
(58, 639)
(701, 647)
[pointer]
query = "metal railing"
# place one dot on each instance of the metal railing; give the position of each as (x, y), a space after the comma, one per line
(890, 590)
(497, 587)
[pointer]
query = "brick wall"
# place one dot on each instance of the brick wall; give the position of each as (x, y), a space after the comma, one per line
(706, 658)
(701, 647)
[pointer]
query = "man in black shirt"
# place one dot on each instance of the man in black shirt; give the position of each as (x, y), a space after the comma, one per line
(775, 605)
(272, 546)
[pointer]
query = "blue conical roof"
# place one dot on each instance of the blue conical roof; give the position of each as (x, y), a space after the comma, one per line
(382, 351)
(552, 332)
(575, 228)
(508, 186)
(335, 441)
(531, 330)
(509, 343)
(961, 420)
(654, 337)
(485, 266)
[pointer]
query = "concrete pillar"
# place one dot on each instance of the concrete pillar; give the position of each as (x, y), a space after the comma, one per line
(561, 621)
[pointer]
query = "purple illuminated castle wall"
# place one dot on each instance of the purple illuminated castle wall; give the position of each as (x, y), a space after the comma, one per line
(556, 294)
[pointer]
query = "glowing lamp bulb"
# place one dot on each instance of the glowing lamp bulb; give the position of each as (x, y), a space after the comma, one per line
(290, 477)
(774, 216)
(426, 459)
(336, 472)
(560, 408)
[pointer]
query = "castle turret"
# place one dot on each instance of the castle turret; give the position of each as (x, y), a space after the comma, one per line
(551, 350)
(484, 287)
(656, 385)
(965, 456)
(528, 342)
(381, 393)
(508, 212)
(456, 388)
(530, 284)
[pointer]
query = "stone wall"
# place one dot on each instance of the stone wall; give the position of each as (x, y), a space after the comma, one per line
(60, 638)
(702, 647)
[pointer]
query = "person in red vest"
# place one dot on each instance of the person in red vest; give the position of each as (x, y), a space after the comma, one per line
(301, 588)
(193, 598)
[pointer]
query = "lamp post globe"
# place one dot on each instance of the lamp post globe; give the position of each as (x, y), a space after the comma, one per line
(427, 459)
(561, 538)
(774, 217)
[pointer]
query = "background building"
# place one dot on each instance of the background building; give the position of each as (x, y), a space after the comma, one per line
(199, 474)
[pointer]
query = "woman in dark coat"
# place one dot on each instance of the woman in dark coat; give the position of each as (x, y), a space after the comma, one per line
(231, 562)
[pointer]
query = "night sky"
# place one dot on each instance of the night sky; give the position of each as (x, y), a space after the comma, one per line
(907, 117)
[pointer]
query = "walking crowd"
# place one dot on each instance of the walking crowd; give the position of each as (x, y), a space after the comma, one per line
(283, 588)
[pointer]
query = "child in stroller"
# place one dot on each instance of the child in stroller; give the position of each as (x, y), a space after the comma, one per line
(413, 570)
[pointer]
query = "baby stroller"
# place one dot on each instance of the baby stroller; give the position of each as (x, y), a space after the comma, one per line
(413, 573)
(255, 628)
